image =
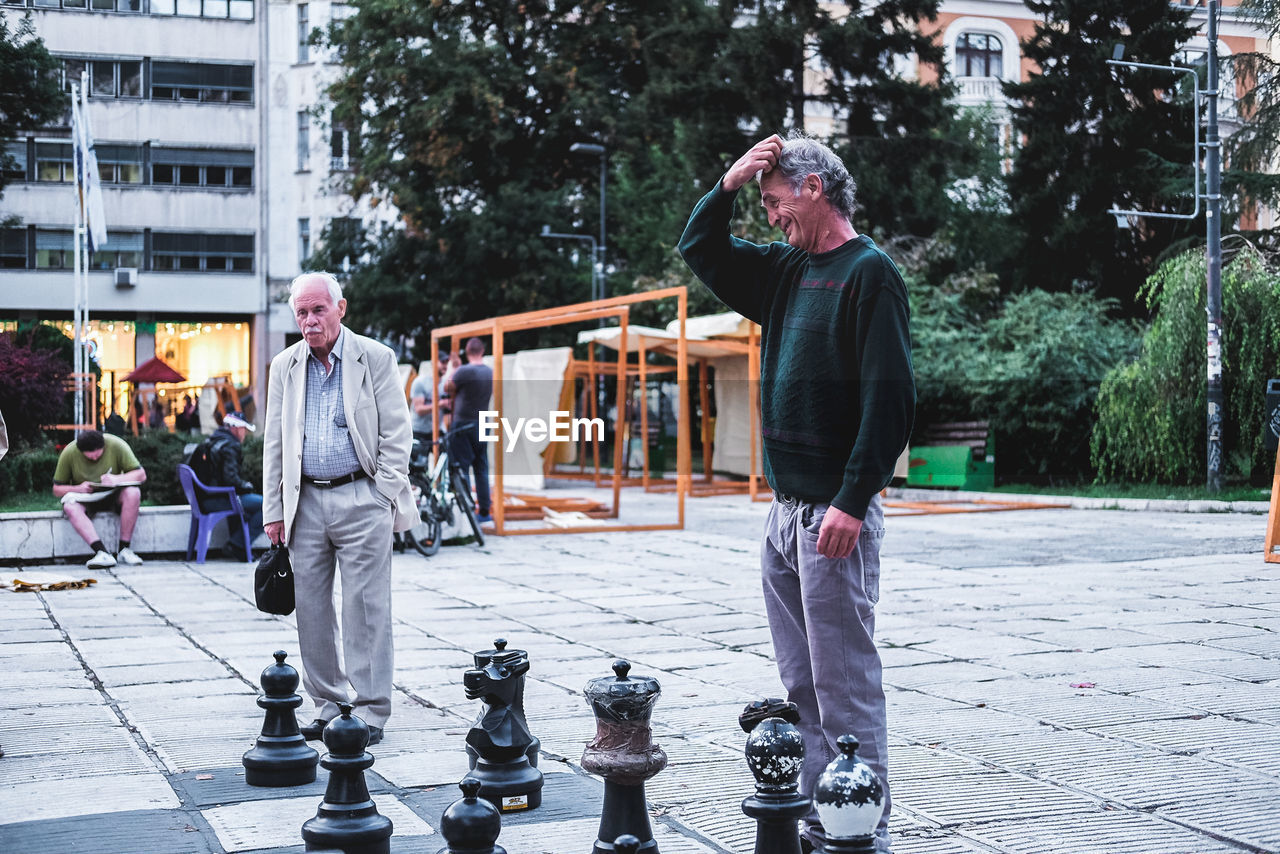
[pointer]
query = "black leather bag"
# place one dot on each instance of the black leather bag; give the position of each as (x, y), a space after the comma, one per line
(273, 582)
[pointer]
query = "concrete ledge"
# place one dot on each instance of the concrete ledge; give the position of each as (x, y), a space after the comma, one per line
(43, 535)
(1164, 505)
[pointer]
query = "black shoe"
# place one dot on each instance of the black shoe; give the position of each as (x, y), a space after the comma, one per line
(233, 553)
(312, 731)
(806, 847)
(375, 735)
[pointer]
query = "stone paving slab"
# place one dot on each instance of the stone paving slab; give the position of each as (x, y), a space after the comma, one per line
(146, 682)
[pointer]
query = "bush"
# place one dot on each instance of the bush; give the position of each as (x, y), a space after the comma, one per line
(1152, 412)
(159, 452)
(251, 466)
(31, 390)
(28, 471)
(1030, 364)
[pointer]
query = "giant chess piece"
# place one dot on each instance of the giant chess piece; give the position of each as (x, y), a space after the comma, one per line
(775, 755)
(483, 659)
(500, 737)
(623, 753)
(850, 800)
(281, 756)
(626, 844)
(471, 825)
(347, 818)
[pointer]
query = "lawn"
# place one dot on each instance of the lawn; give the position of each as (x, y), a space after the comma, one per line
(1142, 490)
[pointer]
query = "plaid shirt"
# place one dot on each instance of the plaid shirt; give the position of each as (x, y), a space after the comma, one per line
(327, 450)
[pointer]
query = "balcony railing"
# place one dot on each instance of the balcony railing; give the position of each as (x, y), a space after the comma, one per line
(985, 89)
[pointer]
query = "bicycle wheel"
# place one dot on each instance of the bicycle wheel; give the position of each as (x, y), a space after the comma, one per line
(462, 496)
(425, 536)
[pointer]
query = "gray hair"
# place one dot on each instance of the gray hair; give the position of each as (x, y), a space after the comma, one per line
(335, 289)
(802, 156)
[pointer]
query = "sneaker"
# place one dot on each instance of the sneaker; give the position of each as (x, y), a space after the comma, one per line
(128, 558)
(485, 519)
(101, 560)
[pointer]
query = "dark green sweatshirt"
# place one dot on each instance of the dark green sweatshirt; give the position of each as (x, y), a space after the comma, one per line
(837, 393)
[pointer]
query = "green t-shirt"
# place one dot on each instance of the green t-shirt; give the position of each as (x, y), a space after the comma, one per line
(73, 468)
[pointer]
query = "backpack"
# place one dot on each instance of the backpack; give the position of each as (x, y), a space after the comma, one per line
(202, 463)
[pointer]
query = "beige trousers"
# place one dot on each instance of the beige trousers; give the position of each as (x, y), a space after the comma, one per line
(344, 529)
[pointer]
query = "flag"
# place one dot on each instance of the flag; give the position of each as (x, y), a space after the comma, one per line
(89, 186)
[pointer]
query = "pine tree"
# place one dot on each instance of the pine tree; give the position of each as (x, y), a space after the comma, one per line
(1092, 137)
(1252, 151)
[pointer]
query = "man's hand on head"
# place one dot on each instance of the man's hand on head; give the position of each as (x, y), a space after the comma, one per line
(762, 157)
(838, 534)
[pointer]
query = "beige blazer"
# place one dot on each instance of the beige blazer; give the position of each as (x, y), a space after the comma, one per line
(377, 417)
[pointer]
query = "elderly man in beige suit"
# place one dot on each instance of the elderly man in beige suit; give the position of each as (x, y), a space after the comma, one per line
(335, 486)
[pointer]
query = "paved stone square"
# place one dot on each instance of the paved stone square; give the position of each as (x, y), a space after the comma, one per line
(1058, 680)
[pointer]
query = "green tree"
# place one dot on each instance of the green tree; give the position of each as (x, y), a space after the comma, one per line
(468, 111)
(1094, 137)
(29, 93)
(1151, 412)
(1253, 148)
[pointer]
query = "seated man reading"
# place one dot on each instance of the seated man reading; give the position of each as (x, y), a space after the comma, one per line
(97, 472)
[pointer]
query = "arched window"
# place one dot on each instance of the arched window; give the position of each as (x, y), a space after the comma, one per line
(979, 55)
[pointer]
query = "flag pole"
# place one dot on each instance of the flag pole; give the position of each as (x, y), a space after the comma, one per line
(78, 360)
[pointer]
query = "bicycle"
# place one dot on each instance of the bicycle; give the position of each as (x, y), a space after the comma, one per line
(439, 489)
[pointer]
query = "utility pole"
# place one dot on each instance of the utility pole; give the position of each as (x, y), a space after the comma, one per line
(1213, 283)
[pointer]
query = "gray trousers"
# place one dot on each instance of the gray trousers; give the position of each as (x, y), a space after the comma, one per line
(822, 617)
(344, 529)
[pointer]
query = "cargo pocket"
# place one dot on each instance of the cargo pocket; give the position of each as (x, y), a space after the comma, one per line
(869, 552)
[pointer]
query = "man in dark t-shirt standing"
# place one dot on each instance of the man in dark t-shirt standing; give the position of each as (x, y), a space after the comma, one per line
(471, 387)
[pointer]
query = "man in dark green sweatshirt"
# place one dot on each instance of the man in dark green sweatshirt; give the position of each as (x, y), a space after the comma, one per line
(837, 397)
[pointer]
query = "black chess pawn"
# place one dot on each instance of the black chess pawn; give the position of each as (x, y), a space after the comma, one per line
(281, 756)
(347, 818)
(626, 844)
(482, 660)
(471, 825)
(850, 800)
(623, 753)
(500, 739)
(775, 755)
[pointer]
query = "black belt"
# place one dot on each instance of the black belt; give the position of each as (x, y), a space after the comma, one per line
(331, 482)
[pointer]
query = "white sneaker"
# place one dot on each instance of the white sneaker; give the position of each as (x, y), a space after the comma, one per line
(127, 557)
(101, 560)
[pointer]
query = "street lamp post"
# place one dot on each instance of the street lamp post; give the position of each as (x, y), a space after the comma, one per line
(1213, 232)
(597, 150)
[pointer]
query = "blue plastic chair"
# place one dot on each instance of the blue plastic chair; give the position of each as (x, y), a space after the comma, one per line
(203, 522)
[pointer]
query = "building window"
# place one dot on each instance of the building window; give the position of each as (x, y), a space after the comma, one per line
(304, 141)
(304, 241)
(240, 10)
(304, 34)
(202, 167)
(13, 161)
(55, 250)
(108, 78)
(339, 148)
(122, 249)
(13, 248)
(54, 162)
(344, 235)
(119, 164)
(95, 5)
(201, 81)
(221, 253)
(979, 55)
